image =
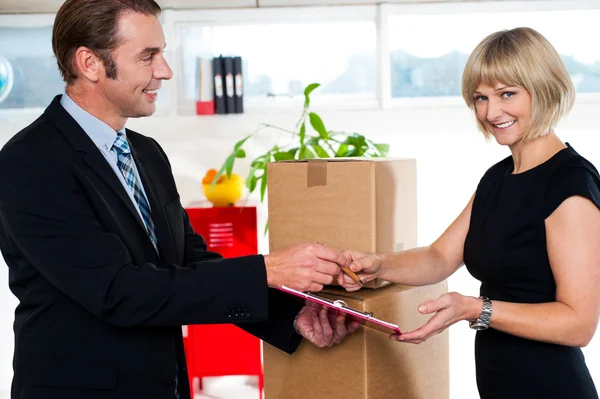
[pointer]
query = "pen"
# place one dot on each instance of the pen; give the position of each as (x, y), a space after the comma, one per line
(352, 275)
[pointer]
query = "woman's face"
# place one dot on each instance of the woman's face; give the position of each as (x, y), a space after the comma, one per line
(504, 110)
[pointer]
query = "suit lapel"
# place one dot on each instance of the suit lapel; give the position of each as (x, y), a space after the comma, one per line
(91, 156)
(165, 238)
(97, 162)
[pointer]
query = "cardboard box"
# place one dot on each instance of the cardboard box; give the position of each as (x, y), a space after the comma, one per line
(367, 364)
(367, 204)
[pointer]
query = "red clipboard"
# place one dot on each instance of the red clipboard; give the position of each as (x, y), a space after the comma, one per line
(365, 318)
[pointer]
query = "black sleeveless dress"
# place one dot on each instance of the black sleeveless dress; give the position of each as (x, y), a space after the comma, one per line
(505, 249)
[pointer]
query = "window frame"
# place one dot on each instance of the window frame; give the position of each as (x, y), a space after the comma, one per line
(380, 15)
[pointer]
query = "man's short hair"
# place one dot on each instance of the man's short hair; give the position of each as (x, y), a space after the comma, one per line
(93, 24)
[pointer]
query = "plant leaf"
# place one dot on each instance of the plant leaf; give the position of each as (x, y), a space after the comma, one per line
(306, 153)
(302, 153)
(359, 144)
(266, 227)
(356, 140)
(313, 141)
(383, 149)
(293, 152)
(318, 125)
(227, 167)
(342, 150)
(241, 142)
(240, 153)
(251, 182)
(258, 165)
(320, 151)
(282, 156)
(302, 134)
(309, 153)
(259, 162)
(263, 184)
(307, 92)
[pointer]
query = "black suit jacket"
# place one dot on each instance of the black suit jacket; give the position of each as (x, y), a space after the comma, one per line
(100, 311)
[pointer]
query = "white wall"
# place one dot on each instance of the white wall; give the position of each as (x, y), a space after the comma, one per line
(451, 157)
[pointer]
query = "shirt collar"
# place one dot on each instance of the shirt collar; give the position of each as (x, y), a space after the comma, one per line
(101, 134)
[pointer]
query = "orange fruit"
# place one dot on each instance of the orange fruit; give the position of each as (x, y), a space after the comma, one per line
(209, 176)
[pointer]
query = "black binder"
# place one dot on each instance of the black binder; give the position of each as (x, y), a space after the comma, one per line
(219, 89)
(228, 85)
(238, 85)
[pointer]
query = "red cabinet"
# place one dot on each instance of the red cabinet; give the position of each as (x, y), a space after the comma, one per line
(230, 231)
(223, 349)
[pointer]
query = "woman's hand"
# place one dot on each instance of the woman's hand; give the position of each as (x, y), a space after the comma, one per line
(448, 308)
(366, 265)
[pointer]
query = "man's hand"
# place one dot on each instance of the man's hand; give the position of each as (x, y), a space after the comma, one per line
(304, 267)
(324, 326)
(367, 266)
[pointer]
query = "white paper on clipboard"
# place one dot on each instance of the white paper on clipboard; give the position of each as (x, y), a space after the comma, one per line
(365, 318)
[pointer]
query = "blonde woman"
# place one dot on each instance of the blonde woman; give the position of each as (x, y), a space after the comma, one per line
(530, 233)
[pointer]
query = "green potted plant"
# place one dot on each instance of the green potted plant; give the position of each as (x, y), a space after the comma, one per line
(303, 144)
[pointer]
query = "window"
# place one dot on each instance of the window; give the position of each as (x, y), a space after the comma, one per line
(281, 59)
(422, 54)
(29, 76)
(428, 52)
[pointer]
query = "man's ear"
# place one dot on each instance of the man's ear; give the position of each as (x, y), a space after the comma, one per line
(88, 64)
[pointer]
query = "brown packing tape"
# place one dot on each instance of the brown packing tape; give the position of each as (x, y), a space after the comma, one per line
(316, 174)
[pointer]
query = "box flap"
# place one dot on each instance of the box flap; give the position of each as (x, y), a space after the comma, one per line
(365, 295)
(343, 159)
(327, 160)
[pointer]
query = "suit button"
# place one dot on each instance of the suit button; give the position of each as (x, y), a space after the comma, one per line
(171, 384)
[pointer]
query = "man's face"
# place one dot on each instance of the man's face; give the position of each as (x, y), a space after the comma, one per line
(141, 67)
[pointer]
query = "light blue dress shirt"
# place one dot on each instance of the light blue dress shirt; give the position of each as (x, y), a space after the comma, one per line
(103, 136)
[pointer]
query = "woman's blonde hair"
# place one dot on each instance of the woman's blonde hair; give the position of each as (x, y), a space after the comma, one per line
(522, 57)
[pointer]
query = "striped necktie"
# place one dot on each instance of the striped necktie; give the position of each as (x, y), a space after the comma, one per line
(125, 164)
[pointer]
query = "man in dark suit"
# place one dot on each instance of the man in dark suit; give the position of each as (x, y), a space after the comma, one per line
(101, 254)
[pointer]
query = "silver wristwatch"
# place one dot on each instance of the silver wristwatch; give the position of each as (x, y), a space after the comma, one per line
(483, 322)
